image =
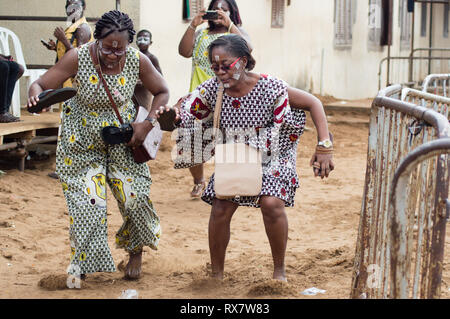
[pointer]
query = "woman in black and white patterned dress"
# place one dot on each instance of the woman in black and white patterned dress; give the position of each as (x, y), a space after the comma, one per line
(250, 102)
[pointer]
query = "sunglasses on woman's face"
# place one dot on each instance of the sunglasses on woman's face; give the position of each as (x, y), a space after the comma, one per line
(108, 51)
(224, 68)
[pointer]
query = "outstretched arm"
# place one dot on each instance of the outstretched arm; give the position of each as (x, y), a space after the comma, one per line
(322, 162)
(66, 68)
(153, 81)
(186, 45)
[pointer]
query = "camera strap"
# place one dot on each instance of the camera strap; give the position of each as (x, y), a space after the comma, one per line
(105, 85)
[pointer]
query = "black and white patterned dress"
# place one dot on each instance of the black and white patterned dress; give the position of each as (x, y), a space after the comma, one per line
(85, 165)
(269, 124)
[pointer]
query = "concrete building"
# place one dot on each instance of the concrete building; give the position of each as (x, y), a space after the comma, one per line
(328, 47)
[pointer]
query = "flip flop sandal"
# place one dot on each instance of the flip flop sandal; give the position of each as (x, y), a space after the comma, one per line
(8, 118)
(50, 97)
(166, 120)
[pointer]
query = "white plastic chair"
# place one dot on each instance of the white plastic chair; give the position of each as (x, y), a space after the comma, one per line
(30, 75)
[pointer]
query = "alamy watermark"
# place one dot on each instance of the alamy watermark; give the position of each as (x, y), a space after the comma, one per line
(74, 278)
(196, 146)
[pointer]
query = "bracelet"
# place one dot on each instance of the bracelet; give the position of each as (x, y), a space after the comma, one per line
(190, 26)
(231, 25)
(321, 150)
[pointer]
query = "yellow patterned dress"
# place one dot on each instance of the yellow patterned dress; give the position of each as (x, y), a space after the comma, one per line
(201, 68)
(70, 35)
(85, 165)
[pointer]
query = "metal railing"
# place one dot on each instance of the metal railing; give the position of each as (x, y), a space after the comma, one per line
(440, 104)
(418, 221)
(410, 70)
(396, 129)
(437, 84)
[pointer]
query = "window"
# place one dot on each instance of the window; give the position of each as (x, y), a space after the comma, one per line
(386, 22)
(277, 13)
(191, 8)
(343, 23)
(446, 13)
(374, 24)
(405, 22)
(423, 20)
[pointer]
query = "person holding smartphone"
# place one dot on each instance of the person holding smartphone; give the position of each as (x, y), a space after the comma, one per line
(194, 44)
(77, 34)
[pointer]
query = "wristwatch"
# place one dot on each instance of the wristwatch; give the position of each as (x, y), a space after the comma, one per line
(325, 143)
(152, 121)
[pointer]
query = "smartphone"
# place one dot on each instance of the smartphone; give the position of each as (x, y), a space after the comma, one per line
(210, 15)
(45, 43)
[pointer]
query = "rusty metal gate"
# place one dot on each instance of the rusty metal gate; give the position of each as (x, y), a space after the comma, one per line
(418, 222)
(437, 84)
(397, 130)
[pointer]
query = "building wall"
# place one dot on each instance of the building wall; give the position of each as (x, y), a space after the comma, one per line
(302, 52)
(30, 32)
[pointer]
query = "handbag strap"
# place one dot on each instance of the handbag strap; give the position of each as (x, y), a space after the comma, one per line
(218, 107)
(105, 85)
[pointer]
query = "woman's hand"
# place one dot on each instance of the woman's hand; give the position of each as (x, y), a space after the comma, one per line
(198, 19)
(51, 45)
(322, 164)
(223, 18)
(140, 131)
(164, 109)
(60, 34)
(32, 101)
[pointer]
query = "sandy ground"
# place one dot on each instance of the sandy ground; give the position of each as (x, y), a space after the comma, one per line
(323, 226)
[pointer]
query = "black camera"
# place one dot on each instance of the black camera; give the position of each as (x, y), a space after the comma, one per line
(116, 135)
(210, 15)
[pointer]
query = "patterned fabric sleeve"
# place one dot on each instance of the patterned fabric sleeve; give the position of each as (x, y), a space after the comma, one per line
(194, 144)
(283, 139)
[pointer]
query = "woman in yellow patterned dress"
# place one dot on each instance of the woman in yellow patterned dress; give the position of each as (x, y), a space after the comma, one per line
(86, 164)
(195, 44)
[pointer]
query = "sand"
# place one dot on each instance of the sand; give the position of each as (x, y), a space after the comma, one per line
(34, 243)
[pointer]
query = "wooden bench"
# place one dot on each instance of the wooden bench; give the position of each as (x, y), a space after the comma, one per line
(32, 129)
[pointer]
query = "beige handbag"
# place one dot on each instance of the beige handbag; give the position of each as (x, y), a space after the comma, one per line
(237, 166)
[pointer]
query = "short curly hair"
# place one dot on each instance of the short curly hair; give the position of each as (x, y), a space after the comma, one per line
(113, 21)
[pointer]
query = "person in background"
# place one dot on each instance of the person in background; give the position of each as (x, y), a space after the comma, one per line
(142, 96)
(77, 34)
(10, 72)
(194, 44)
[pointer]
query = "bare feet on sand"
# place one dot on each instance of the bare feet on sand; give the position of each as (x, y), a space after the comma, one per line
(133, 268)
(279, 274)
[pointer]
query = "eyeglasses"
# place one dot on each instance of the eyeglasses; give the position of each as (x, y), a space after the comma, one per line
(224, 68)
(106, 51)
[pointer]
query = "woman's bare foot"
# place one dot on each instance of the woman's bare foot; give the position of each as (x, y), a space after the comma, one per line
(279, 274)
(217, 275)
(133, 268)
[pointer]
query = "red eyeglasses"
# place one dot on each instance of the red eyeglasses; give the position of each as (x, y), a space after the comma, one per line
(225, 68)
